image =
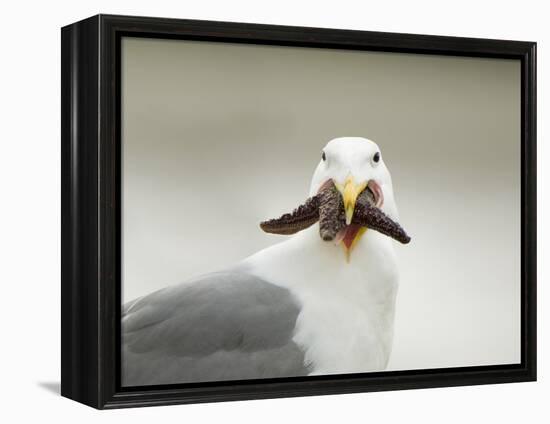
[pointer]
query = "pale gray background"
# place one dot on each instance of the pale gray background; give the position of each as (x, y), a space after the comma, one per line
(206, 124)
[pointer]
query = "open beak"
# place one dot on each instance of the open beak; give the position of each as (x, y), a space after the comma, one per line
(362, 210)
(350, 191)
(350, 235)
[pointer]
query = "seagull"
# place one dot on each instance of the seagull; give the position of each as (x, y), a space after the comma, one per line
(304, 306)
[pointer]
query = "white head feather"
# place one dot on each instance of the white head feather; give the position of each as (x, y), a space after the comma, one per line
(345, 156)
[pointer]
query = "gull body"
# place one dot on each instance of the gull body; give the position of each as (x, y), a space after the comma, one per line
(346, 320)
(345, 324)
(300, 307)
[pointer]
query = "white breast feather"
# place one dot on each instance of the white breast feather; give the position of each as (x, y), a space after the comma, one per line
(346, 321)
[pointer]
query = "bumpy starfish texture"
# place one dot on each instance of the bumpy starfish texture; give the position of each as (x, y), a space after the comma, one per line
(299, 219)
(332, 216)
(327, 207)
(368, 215)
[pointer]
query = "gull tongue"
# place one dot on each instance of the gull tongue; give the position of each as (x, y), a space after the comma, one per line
(347, 235)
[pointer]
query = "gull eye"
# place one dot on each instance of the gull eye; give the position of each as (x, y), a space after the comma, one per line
(323, 156)
(376, 157)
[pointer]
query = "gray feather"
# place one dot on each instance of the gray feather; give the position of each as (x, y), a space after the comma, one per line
(221, 326)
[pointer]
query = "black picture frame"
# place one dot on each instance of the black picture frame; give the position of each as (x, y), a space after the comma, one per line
(91, 210)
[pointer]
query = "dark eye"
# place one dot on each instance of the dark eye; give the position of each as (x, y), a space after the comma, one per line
(376, 157)
(323, 156)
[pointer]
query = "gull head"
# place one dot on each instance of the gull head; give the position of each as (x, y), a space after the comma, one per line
(351, 191)
(355, 164)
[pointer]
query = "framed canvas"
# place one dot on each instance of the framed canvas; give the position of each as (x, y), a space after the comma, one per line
(255, 211)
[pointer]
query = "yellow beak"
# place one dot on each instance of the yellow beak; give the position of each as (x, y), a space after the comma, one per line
(350, 191)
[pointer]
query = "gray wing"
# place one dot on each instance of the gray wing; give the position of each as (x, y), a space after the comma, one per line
(221, 326)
